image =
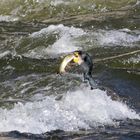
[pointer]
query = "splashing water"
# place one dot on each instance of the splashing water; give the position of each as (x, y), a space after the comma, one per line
(122, 37)
(81, 108)
(64, 41)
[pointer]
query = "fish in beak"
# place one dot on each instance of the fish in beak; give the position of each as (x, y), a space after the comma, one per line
(85, 61)
(75, 57)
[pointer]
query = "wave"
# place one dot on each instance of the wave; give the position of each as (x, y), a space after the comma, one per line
(7, 18)
(81, 108)
(51, 41)
(45, 9)
(122, 37)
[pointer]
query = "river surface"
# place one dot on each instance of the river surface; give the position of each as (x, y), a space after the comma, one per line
(36, 102)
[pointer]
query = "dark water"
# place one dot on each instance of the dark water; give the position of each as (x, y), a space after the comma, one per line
(38, 103)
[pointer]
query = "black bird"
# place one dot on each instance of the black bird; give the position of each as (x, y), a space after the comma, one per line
(85, 61)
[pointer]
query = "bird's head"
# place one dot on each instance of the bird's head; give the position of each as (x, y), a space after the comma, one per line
(78, 57)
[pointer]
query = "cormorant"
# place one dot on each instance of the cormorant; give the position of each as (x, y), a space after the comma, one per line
(84, 60)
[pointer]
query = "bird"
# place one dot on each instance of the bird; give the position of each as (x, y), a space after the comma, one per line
(84, 60)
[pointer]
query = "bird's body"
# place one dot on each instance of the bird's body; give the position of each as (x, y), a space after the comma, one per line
(87, 67)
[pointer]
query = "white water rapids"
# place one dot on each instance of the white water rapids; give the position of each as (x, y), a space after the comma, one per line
(81, 108)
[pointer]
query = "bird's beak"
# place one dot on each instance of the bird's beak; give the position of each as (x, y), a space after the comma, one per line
(77, 58)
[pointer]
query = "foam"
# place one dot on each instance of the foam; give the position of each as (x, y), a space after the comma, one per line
(81, 108)
(7, 18)
(65, 41)
(3, 54)
(68, 39)
(134, 60)
(57, 2)
(122, 37)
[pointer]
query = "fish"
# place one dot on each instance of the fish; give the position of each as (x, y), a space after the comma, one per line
(67, 59)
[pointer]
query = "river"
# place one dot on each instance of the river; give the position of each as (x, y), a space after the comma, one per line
(36, 102)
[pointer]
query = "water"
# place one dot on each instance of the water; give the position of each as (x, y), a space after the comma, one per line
(81, 108)
(36, 99)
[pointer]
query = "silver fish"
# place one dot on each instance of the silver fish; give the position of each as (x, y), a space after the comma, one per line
(65, 62)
